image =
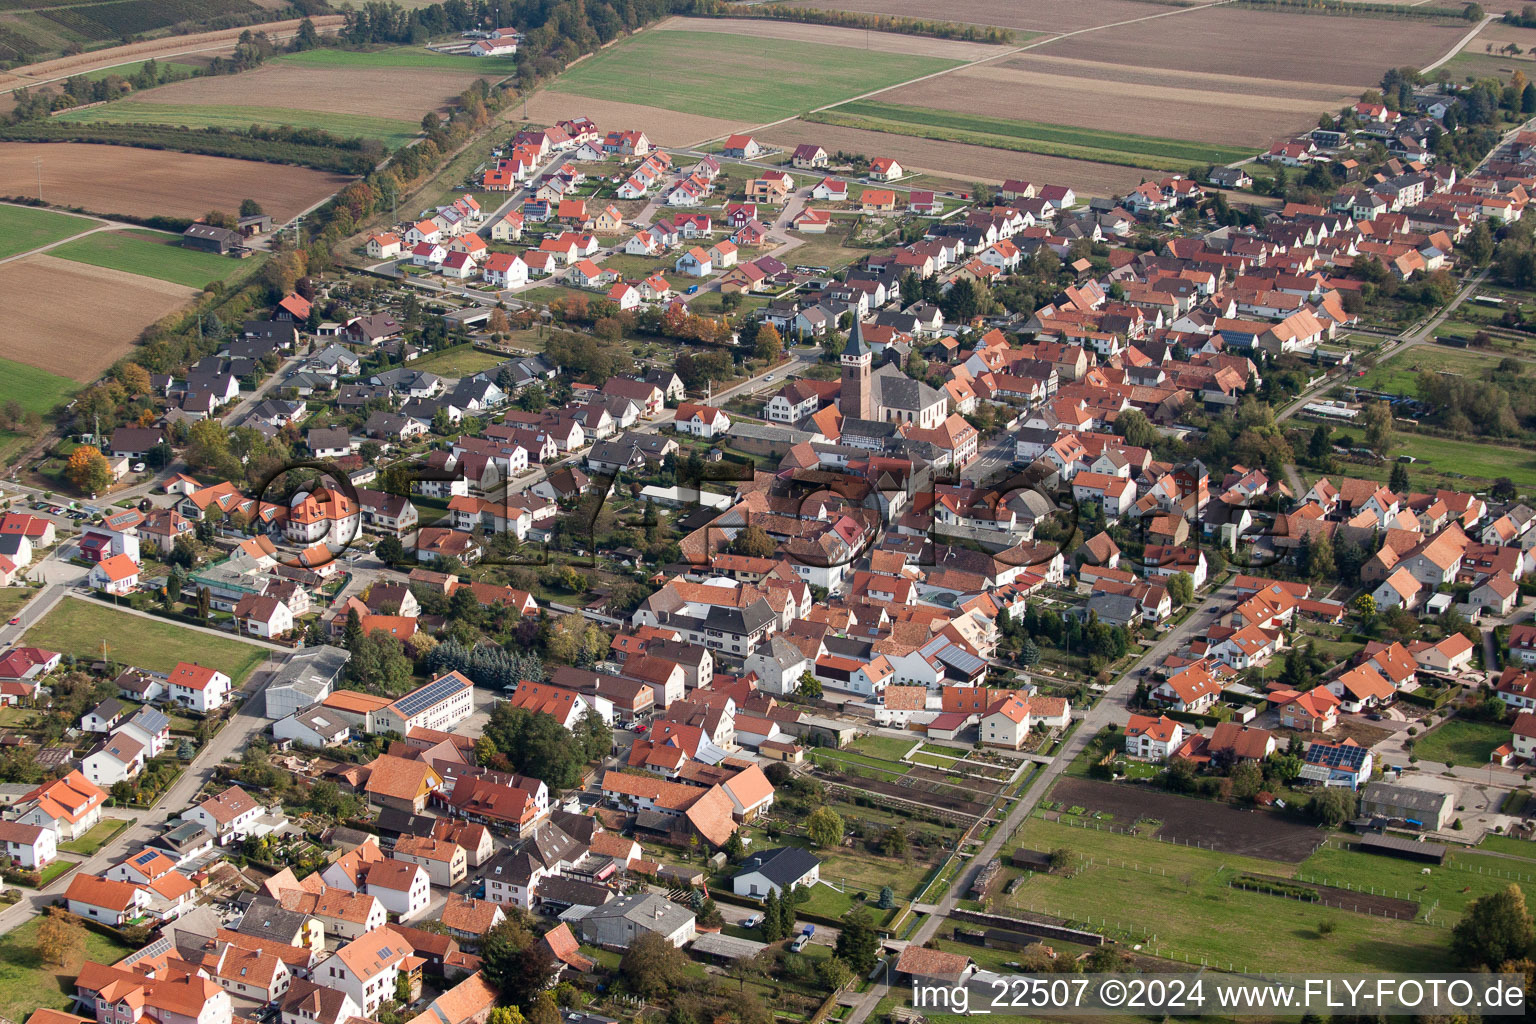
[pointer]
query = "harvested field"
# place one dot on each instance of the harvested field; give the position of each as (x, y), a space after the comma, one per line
(1093, 94)
(1266, 44)
(1213, 825)
(49, 299)
(146, 182)
(391, 133)
(1030, 15)
(967, 163)
(665, 127)
(388, 93)
(196, 42)
(831, 35)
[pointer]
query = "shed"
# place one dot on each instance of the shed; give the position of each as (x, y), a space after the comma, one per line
(1427, 807)
(210, 238)
(1397, 846)
(727, 947)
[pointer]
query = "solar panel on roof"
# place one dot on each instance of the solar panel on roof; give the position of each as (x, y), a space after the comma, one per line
(428, 695)
(1336, 757)
(145, 857)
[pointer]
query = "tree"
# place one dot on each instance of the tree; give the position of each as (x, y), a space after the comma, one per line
(1137, 430)
(824, 827)
(1365, 604)
(1495, 928)
(1376, 419)
(1247, 780)
(810, 687)
(505, 1015)
(204, 602)
(390, 550)
(768, 345)
(1028, 653)
(60, 939)
(773, 925)
(1397, 480)
(833, 973)
(1319, 445)
(754, 542)
(1181, 587)
(734, 849)
(887, 898)
(858, 944)
(652, 966)
(1320, 562)
(1333, 805)
(88, 469)
(250, 207)
(546, 1011)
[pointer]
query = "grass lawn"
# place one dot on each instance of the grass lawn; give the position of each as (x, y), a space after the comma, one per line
(27, 984)
(887, 747)
(1399, 375)
(1030, 136)
(409, 57)
(1460, 741)
(1447, 889)
(391, 132)
(1458, 459)
(23, 228)
(1335, 652)
(96, 838)
(736, 77)
(170, 71)
(853, 757)
(54, 870)
(1508, 844)
(78, 627)
(37, 390)
(149, 254)
(1191, 910)
(459, 361)
(13, 600)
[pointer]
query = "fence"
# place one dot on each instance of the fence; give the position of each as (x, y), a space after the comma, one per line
(1100, 827)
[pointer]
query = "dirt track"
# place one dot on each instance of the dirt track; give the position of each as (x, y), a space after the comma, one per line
(63, 67)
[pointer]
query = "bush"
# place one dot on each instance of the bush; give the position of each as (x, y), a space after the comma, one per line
(1275, 887)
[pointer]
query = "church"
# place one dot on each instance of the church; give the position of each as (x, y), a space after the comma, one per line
(885, 395)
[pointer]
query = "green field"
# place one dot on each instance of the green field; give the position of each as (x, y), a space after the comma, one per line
(13, 600)
(23, 228)
(1193, 911)
(1460, 742)
(890, 748)
(167, 67)
(1030, 136)
(195, 115)
(1480, 460)
(79, 626)
(737, 77)
(1445, 892)
(149, 254)
(1399, 375)
(407, 57)
(37, 390)
(459, 361)
(26, 983)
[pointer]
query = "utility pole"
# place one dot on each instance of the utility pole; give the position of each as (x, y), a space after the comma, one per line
(38, 163)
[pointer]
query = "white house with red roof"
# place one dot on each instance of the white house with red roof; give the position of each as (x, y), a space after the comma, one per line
(22, 664)
(70, 806)
(1317, 710)
(1192, 689)
(1153, 738)
(229, 816)
(884, 168)
(31, 846)
(700, 420)
(117, 575)
(366, 968)
(101, 899)
(1006, 723)
(384, 246)
(199, 687)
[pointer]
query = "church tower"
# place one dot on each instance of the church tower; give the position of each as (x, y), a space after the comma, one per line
(855, 400)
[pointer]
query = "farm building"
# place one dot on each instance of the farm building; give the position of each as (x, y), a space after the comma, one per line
(1430, 808)
(210, 239)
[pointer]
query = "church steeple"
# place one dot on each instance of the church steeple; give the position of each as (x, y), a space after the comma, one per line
(855, 400)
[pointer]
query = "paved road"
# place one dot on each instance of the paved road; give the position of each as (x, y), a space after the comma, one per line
(1110, 709)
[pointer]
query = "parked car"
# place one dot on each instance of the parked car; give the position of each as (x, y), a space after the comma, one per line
(753, 921)
(798, 944)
